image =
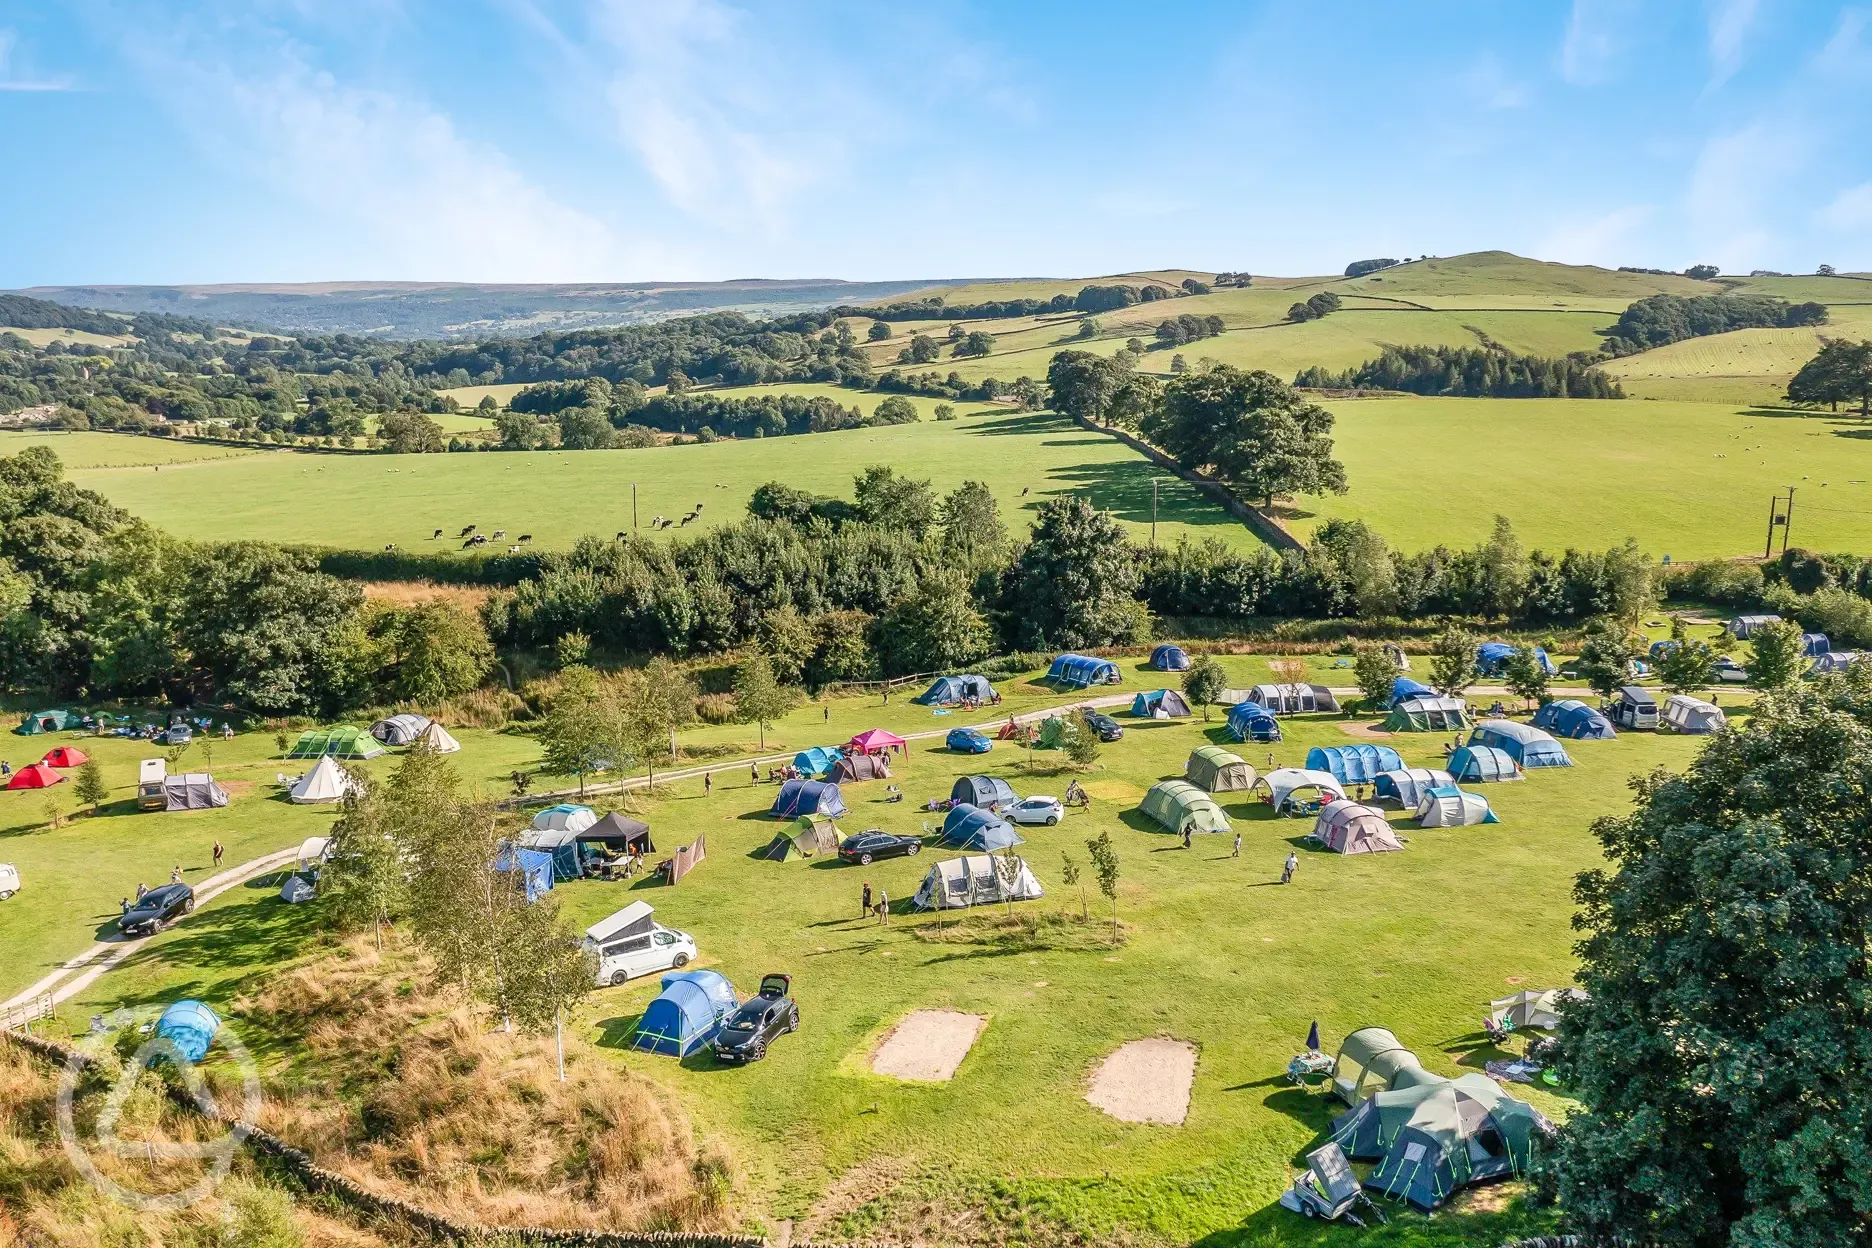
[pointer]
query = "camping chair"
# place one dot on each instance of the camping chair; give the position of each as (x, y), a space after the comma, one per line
(1498, 1033)
(1076, 796)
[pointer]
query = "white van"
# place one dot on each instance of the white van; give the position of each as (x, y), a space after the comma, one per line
(9, 880)
(630, 943)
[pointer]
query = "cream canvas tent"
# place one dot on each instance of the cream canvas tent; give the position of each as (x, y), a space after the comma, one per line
(1683, 713)
(1349, 828)
(326, 782)
(1370, 1061)
(1447, 806)
(437, 738)
(1215, 770)
(1283, 782)
(975, 881)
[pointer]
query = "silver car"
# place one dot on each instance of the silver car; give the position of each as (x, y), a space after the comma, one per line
(1037, 809)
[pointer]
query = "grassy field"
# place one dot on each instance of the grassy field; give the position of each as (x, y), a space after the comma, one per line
(471, 396)
(367, 501)
(1216, 954)
(70, 337)
(118, 450)
(1691, 480)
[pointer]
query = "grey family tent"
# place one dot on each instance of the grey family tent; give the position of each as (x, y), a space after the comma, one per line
(1447, 806)
(955, 690)
(1294, 699)
(977, 881)
(1160, 704)
(1250, 721)
(196, 790)
(1077, 671)
(808, 797)
(809, 836)
(1526, 744)
(47, 721)
(1535, 1007)
(1439, 1135)
(1215, 770)
(1813, 645)
(1492, 657)
(1354, 764)
(1182, 807)
(684, 1017)
(970, 827)
(857, 768)
(1683, 713)
(559, 844)
(983, 791)
(1743, 627)
(1834, 661)
(1404, 687)
(1483, 764)
(1170, 659)
(817, 761)
(1406, 787)
(1370, 1060)
(1427, 713)
(1349, 828)
(400, 729)
(1574, 720)
(1283, 782)
(620, 833)
(565, 817)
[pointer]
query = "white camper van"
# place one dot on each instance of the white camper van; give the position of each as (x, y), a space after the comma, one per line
(9, 880)
(630, 943)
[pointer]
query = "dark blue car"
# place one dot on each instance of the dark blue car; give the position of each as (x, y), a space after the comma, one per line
(968, 741)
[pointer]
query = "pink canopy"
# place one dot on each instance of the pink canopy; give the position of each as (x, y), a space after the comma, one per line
(874, 741)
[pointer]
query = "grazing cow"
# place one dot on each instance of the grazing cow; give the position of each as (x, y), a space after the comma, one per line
(684, 520)
(468, 543)
(621, 535)
(436, 534)
(499, 533)
(526, 537)
(389, 545)
(698, 506)
(465, 532)
(513, 550)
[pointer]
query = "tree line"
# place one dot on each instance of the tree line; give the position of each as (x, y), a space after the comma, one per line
(1472, 372)
(1659, 320)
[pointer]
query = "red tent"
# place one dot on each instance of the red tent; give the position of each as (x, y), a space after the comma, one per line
(66, 756)
(37, 776)
(874, 741)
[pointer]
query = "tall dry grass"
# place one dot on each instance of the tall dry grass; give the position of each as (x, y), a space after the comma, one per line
(398, 1085)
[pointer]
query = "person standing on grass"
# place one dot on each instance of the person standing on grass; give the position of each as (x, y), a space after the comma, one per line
(175, 876)
(753, 773)
(883, 906)
(1237, 852)
(864, 907)
(828, 712)
(218, 851)
(1186, 836)
(708, 784)
(1293, 865)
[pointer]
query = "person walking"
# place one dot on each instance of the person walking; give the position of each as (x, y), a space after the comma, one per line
(1293, 865)
(883, 906)
(708, 783)
(218, 851)
(1186, 836)
(828, 713)
(864, 907)
(175, 876)
(1237, 852)
(142, 890)
(753, 773)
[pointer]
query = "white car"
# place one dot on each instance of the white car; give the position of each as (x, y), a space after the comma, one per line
(9, 880)
(1037, 809)
(630, 943)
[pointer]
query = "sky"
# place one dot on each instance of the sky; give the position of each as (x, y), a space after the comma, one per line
(156, 142)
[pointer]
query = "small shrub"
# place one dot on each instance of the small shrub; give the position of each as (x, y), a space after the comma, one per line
(718, 708)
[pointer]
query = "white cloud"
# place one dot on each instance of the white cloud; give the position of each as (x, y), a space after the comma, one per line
(1608, 239)
(12, 79)
(1845, 54)
(1730, 23)
(1851, 209)
(1596, 40)
(1735, 188)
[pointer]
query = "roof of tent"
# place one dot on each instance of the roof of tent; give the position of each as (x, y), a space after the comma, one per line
(535, 867)
(617, 829)
(1834, 661)
(1294, 699)
(1437, 1135)
(190, 1026)
(1744, 625)
(1250, 721)
(872, 740)
(437, 738)
(326, 782)
(818, 760)
(1447, 806)
(966, 881)
(35, 776)
(567, 816)
(955, 689)
(400, 729)
(983, 791)
(1814, 644)
(1079, 670)
(1407, 786)
(1349, 828)
(1354, 764)
(1688, 714)
(196, 790)
(681, 1020)
(802, 797)
(65, 756)
(1524, 743)
(1154, 702)
(970, 827)
(1213, 768)
(1053, 733)
(803, 838)
(1491, 655)
(1574, 720)
(1179, 805)
(1427, 714)
(1283, 781)
(1404, 687)
(717, 986)
(854, 768)
(1535, 1007)
(343, 741)
(1170, 659)
(1369, 1060)
(1483, 763)
(314, 849)
(46, 721)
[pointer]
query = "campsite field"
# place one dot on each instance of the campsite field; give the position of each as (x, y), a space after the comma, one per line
(366, 501)
(1216, 954)
(1691, 480)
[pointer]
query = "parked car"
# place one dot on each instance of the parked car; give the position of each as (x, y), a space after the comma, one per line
(644, 950)
(177, 734)
(968, 741)
(1731, 672)
(159, 906)
(9, 880)
(866, 847)
(1108, 729)
(748, 1031)
(1036, 809)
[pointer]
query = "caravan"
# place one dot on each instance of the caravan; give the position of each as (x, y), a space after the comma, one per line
(631, 943)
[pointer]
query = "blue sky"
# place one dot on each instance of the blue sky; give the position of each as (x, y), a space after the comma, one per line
(603, 140)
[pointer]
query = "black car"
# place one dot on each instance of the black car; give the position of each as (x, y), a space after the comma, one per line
(158, 906)
(867, 847)
(1107, 728)
(759, 1020)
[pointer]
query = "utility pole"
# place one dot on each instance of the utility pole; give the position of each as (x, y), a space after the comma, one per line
(1774, 518)
(1787, 521)
(633, 506)
(1154, 481)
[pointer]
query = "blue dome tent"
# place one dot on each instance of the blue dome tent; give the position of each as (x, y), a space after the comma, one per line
(1404, 687)
(681, 1020)
(1482, 763)
(1170, 659)
(1250, 721)
(721, 993)
(1491, 656)
(190, 1026)
(967, 827)
(1354, 764)
(983, 791)
(1813, 645)
(1528, 746)
(953, 690)
(1160, 704)
(818, 761)
(1574, 720)
(1077, 671)
(808, 797)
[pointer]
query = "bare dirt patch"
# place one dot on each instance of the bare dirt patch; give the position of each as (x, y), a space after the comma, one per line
(927, 1045)
(1146, 1081)
(1363, 730)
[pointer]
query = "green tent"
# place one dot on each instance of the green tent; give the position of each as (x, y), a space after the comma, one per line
(1437, 1135)
(341, 742)
(1371, 1060)
(1054, 733)
(1212, 768)
(1424, 714)
(806, 837)
(1180, 805)
(47, 721)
